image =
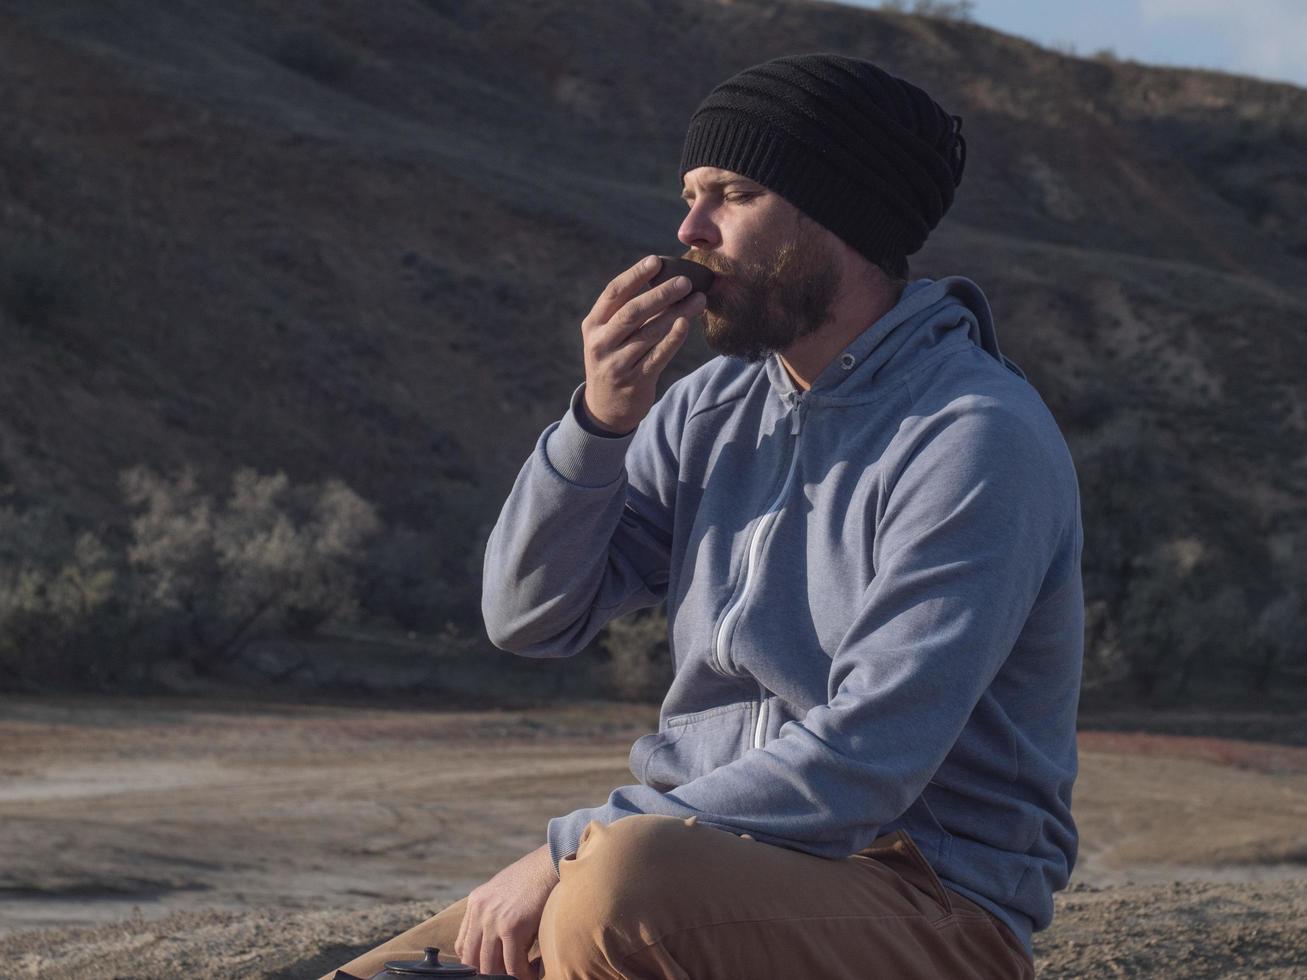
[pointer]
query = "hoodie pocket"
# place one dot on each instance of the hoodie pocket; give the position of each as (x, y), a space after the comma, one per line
(692, 745)
(927, 832)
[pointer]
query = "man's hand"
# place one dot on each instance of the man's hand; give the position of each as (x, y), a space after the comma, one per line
(629, 339)
(503, 916)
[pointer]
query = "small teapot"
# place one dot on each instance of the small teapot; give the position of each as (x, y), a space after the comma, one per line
(428, 966)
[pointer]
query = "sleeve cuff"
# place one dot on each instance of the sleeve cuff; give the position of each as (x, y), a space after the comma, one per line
(580, 453)
(564, 833)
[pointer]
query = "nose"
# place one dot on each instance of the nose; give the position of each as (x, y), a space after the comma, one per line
(698, 229)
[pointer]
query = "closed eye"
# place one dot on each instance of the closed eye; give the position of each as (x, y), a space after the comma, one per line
(736, 198)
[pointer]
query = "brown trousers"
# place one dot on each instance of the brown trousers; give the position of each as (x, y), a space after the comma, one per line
(651, 897)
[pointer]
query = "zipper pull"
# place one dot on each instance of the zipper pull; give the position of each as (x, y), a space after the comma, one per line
(796, 415)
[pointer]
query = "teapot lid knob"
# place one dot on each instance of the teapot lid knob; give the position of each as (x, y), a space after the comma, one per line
(429, 966)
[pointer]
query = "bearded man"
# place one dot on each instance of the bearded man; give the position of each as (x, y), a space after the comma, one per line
(865, 525)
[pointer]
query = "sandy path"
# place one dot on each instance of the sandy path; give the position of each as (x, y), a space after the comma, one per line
(269, 829)
(166, 808)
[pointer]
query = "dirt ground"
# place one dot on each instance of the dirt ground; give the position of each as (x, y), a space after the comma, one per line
(159, 839)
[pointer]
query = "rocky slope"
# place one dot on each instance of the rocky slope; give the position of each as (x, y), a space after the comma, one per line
(356, 240)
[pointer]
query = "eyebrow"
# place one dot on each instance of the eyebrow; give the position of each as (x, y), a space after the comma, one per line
(717, 183)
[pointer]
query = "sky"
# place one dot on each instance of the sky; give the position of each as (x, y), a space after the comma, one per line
(1263, 38)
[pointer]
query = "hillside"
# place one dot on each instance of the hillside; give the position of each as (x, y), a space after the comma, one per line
(356, 240)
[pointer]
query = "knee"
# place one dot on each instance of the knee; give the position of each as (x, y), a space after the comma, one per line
(622, 874)
(632, 855)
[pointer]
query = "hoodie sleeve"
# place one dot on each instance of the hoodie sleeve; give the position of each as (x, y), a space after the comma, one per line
(975, 523)
(579, 541)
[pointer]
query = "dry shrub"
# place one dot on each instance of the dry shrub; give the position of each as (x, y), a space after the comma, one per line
(271, 558)
(961, 10)
(191, 579)
(51, 611)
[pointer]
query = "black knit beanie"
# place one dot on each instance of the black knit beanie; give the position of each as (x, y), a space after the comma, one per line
(868, 155)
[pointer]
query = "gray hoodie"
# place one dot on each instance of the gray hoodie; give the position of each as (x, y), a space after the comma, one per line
(873, 595)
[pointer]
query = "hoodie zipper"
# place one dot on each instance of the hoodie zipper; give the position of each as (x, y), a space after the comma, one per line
(753, 552)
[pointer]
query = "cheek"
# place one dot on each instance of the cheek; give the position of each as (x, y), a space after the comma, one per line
(749, 258)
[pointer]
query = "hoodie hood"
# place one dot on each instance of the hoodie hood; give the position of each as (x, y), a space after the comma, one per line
(929, 313)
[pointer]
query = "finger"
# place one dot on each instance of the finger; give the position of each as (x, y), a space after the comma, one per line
(462, 931)
(492, 956)
(639, 311)
(655, 331)
(468, 939)
(517, 963)
(652, 364)
(623, 287)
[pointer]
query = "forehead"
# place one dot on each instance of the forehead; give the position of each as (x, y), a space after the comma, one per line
(711, 178)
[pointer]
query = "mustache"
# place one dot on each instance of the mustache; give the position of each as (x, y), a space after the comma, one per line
(709, 260)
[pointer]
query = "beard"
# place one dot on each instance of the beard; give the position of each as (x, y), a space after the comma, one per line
(766, 305)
